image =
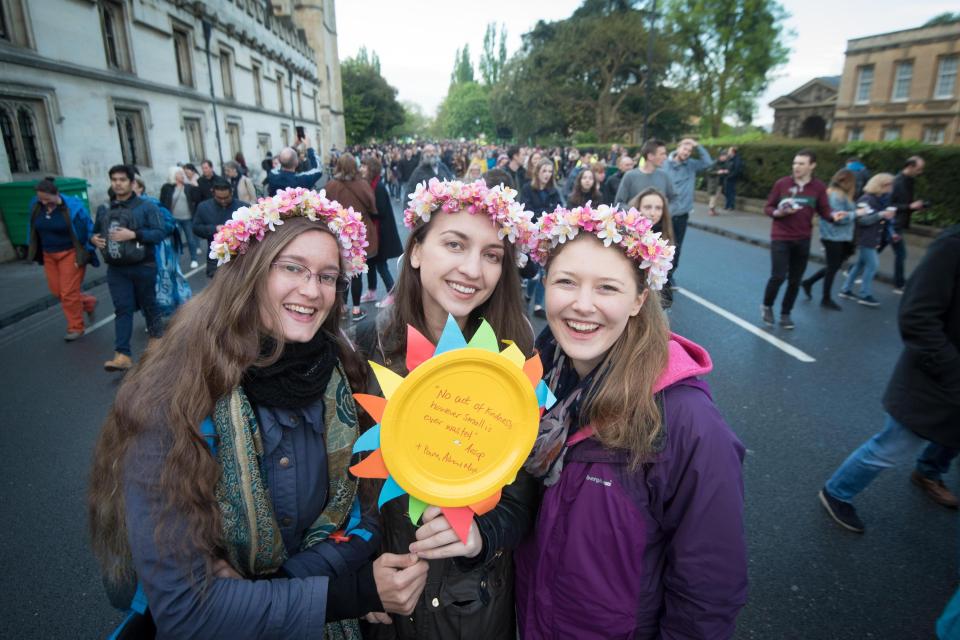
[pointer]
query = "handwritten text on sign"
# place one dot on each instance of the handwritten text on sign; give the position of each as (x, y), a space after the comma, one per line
(467, 425)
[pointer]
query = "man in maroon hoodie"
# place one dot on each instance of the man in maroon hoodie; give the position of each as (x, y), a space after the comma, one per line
(792, 203)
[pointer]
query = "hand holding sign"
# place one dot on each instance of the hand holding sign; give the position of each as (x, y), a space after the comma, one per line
(438, 539)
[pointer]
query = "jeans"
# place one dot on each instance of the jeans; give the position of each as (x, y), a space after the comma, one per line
(788, 260)
(730, 193)
(679, 231)
(867, 266)
(535, 288)
(895, 444)
(383, 268)
(899, 260)
(934, 461)
(186, 226)
(837, 251)
(132, 287)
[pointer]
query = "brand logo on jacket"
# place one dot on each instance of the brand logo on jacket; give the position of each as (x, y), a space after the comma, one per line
(605, 483)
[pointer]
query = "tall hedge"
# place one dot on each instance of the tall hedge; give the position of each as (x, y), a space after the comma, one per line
(766, 161)
(769, 159)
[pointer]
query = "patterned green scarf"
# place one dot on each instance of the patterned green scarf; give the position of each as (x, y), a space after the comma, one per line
(250, 529)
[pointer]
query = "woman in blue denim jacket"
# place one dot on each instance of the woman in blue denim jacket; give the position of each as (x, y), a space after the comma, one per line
(836, 236)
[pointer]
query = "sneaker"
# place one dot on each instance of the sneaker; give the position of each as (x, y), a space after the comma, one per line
(358, 315)
(369, 296)
(807, 289)
(766, 314)
(843, 513)
(73, 335)
(898, 291)
(786, 321)
(935, 490)
(868, 301)
(120, 362)
(830, 304)
(539, 312)
(386, 302)
(194, 264)
(847, 295)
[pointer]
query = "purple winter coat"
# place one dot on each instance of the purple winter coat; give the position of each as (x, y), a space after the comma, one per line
(657, 553)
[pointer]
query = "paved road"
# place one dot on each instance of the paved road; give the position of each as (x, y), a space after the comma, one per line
(809, 579)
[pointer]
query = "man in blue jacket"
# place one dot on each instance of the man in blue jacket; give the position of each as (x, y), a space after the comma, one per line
(683, 169)
(126, 233)
(287, 175)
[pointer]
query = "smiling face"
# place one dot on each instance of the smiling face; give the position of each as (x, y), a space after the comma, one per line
(301, 305)
(460, 261)
(591, 293)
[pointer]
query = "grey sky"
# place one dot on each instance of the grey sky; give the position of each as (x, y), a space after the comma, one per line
(417, 39)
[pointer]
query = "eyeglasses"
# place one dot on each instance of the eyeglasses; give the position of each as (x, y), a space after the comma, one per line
(297, 272)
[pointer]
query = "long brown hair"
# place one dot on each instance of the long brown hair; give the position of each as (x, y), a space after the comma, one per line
(503, 309)
(535, 178)
(666, 222)
(208, 345)
(579, 197)
(845, 182)
(621, 405)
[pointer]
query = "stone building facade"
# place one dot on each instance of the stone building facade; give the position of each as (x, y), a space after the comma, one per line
(901, 85)
(91, 83)
(807, 112)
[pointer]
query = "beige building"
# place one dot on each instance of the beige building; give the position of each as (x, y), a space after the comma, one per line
(901, 85)
(807, 112)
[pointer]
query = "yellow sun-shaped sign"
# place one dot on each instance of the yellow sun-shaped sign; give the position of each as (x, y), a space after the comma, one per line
(457, 428)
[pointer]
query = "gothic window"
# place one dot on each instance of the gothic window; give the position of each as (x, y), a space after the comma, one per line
(26, 137)
(133, 138)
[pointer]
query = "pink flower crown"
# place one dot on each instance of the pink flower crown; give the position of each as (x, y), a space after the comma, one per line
(627, 229)
(252, 223)
(513, 222)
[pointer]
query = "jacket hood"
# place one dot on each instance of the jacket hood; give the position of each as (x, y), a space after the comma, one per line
(685, 360)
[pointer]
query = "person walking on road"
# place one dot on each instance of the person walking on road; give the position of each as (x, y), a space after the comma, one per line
(126, 233)
(683, 168)
(922, 399)
(872, 215)
(734, 173)
(388, 240)
(541, 196)
(59, 238)
(836, 236)
(793, 202)
(716, 180)
(177, 196)
(903, 199)
(287, 175)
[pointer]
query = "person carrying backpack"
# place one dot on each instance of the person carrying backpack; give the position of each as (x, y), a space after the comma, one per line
(126, 232)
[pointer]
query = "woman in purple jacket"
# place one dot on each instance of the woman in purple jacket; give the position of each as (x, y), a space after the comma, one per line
(640, 532)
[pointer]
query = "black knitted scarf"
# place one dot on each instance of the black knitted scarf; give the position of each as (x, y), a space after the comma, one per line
(298, 378)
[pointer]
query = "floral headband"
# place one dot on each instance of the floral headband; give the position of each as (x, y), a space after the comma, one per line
(252, 223)
(513, 222)
(627, 229)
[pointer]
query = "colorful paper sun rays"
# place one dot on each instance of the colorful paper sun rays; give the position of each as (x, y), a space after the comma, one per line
(419, 351)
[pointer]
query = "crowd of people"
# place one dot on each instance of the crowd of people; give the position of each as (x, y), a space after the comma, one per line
(636, 459)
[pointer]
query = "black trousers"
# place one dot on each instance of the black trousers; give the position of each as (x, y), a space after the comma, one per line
(788, 261)
(679, 231)
(837, 251)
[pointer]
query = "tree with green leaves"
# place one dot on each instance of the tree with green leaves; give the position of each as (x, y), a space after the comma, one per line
(370, 107)
(465, 112)
(947, 17)
(462, 67)
(725, 51)
(494, 55)
(586, 73)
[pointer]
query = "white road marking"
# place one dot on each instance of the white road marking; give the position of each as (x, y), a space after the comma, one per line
(789, 349)
(112, 316)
